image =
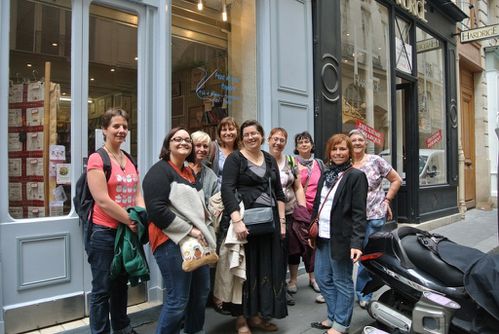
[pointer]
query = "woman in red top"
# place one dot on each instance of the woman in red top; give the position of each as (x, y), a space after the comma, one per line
(112, 197)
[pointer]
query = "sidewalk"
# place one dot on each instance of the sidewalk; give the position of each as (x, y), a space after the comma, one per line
(479, 230)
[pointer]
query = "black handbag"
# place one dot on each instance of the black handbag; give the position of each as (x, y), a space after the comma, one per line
(260, 220)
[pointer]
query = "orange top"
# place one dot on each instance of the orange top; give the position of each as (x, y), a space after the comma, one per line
(156, 235)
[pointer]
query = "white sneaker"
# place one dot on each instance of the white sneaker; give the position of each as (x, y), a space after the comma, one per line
(320, 299)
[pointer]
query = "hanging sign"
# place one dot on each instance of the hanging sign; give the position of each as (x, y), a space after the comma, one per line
(479, 33)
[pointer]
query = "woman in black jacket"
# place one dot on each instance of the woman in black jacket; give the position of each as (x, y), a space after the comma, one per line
(247, 172)
(340, 205)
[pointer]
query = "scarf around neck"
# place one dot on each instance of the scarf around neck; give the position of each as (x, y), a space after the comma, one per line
(305, 162)
(332, 172)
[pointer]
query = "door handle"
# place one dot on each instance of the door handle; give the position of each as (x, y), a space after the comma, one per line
(468, 162)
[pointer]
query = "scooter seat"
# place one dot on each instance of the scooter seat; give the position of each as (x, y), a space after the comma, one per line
(430, 263)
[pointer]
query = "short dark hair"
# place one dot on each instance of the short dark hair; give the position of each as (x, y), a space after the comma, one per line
(165, 149)
(304, 135)
(335, 140)
(256, 124)
(106, 118)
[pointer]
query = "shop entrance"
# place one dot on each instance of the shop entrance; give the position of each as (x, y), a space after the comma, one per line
(468, 136)
(405, 164)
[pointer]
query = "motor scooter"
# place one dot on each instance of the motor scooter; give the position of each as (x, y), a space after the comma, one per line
(435, 285)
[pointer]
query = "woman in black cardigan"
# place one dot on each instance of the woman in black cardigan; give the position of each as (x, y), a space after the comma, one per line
(340, 205)
(247, 172)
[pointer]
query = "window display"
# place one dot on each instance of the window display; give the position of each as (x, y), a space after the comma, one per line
(39, 111)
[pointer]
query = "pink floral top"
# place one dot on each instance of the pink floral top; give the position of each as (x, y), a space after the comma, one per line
(376, 169)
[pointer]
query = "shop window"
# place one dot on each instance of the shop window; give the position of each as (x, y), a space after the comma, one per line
(112, 71)
(213, 63)
(365, 69)
(39, 108)
(431, 109)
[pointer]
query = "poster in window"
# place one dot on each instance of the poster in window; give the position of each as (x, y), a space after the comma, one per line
(178, 106)
(196, 116)
(176, 89)
(196, 76)
(126, 104)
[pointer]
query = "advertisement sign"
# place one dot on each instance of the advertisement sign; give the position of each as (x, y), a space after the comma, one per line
(371, 134)
(479, 33)
(434, 139)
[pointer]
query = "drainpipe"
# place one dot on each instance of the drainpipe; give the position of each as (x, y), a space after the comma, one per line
(460, 151)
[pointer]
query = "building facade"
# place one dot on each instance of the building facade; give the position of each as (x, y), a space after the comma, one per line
(326, 66)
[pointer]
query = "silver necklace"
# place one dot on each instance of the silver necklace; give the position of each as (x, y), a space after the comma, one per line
(120, 160)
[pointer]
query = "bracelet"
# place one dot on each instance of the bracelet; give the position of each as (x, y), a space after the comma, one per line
(282, 219)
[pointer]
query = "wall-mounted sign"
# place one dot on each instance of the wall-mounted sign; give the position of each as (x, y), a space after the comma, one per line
(479, 33)
(427, 45)
(414, 7)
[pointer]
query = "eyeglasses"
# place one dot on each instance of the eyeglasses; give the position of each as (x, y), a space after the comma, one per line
(278, 140)
(180, 140)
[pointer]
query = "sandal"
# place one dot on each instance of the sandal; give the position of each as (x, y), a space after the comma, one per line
(265, 326)
(242, 327)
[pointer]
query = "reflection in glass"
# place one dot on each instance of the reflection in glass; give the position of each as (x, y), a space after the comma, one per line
(39, 109)
(431, 109)
(112, 72)
(366, 102)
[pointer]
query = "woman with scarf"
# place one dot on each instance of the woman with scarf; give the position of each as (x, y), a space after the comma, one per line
(340, 206)
(309, 171)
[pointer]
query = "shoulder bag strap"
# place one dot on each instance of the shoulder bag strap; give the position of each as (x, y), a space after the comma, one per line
(332, 186)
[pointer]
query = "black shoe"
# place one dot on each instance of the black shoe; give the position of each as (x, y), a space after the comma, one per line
(319, 325)
(289, 299)
(219, 308)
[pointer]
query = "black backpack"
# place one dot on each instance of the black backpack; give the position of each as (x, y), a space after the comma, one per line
(83, 200)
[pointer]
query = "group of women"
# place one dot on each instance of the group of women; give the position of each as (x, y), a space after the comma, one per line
(190, 171)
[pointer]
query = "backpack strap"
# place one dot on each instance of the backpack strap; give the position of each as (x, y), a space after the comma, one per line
(106, 162)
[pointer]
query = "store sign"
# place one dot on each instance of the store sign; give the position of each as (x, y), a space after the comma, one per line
(371, 134)
(479, 33)
(414, 7)
(427, 45)
(403, 52)
(434, 139)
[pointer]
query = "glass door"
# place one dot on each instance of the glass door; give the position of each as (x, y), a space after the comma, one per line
(403, 155)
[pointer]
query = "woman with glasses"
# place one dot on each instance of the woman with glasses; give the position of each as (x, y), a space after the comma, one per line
(247, 172)
(309, 171)
(176, 210)
(293, 191)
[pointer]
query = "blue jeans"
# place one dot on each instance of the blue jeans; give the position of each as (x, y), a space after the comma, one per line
(335, 281)
(108, 296)
(363, 276)
(186, 293)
